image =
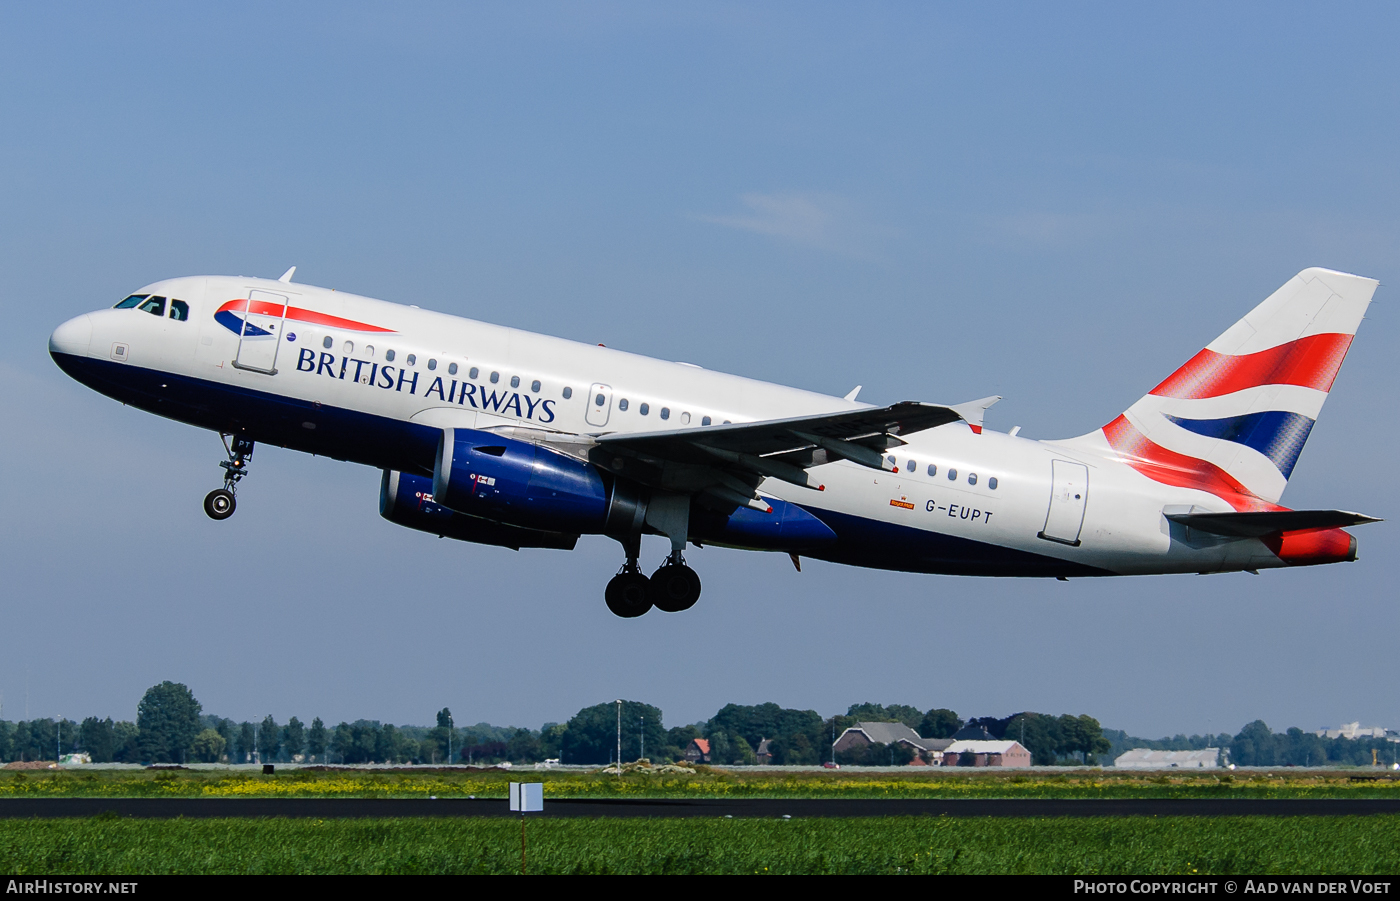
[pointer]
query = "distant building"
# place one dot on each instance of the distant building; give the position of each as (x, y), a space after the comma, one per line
(986, 753)
(698, 751)
(862, 735)
(1356, 730)
(764, 754)
(1147, 759)
(974, 733)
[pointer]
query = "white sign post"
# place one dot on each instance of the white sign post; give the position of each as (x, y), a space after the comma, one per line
(526, 797)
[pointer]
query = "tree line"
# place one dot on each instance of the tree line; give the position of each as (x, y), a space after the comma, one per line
(171, 728)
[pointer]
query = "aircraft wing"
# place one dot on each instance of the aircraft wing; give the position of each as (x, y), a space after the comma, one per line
(742, 454)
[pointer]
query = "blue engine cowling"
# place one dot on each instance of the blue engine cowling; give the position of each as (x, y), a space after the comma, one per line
(407, 500)
(526, 485)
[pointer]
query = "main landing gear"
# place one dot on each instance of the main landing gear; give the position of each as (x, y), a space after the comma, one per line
(220, 503)
(672, 588)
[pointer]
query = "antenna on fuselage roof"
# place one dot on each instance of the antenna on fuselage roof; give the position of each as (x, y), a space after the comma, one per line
(287, 276)
(854, 392)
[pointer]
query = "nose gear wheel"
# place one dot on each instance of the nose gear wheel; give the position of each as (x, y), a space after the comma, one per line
(220, 504)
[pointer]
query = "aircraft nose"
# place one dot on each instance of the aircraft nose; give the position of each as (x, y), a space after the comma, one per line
(72, 337)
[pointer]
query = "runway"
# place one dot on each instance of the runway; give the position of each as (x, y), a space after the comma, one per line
(751, 808)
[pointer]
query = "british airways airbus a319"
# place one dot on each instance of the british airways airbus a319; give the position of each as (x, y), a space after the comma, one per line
(504, 437)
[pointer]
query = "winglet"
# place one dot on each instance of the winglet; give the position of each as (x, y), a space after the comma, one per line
(854, 392)
(287, 276)
(973, 411)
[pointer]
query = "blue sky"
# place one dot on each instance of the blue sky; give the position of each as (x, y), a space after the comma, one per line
(1059, 204)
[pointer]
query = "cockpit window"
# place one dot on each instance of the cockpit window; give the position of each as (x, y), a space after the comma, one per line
(179, 310)
(155, 306)
(130, 302)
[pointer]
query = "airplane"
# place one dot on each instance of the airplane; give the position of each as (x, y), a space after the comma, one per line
(504, 437)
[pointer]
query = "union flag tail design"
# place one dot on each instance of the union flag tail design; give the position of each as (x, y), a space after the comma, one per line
(1234, 418)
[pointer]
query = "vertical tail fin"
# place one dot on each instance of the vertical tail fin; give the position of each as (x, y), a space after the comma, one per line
(1234, 418)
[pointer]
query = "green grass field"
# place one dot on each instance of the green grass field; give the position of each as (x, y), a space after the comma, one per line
(1135, 845)
(920, 783)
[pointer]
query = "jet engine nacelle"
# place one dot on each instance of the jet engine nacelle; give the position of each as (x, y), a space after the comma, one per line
(407, 500)
(524, 484)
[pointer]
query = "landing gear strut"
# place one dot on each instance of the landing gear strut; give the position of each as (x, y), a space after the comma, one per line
(220, 503)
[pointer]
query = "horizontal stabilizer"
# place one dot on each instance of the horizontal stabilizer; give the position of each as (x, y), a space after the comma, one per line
(1268, 522)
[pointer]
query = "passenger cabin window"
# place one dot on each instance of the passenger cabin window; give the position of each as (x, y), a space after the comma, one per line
(704, 420)
(389, 355)
(131, 301)
(569, 392)
(515, 381)
(622, 405)
(474, 373)
(972, 478)
(952, 475)
(369, 350)
(665, 412)
(913, 468)
(685, 419)
(535, 386)
(328, 341)
(495, 377)
(644, 409)
(451, 368)
(992, 483)
(932, 470)
(432, 364)
(155, 306)
(348, 347)
(412, 360)
(179, 310)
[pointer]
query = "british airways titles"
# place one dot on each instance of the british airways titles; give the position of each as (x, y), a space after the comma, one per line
(396, 378)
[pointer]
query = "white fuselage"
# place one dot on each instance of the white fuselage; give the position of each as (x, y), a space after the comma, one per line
(416, 370)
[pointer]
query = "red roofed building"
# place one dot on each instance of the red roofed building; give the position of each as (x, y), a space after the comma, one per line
(698, 751)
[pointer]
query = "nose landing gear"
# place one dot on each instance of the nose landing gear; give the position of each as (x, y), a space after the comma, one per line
(220, 503)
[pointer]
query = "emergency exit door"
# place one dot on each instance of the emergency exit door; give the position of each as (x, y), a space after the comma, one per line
(599, 405)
